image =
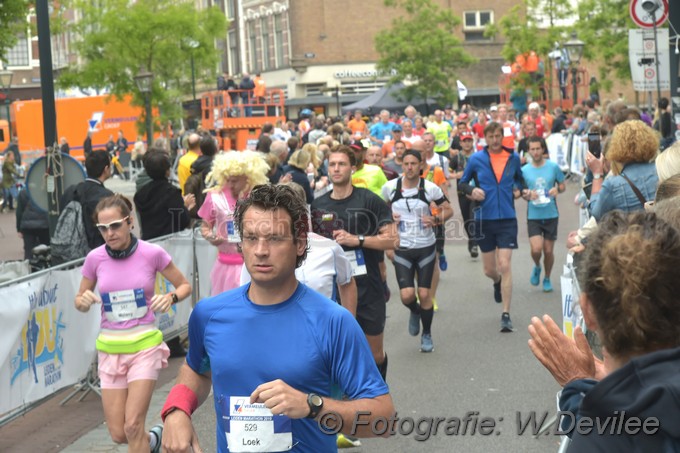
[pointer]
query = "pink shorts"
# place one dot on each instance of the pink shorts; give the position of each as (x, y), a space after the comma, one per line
(116, 371)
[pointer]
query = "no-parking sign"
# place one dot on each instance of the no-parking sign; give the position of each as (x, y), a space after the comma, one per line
(642, 55)
(644, 19)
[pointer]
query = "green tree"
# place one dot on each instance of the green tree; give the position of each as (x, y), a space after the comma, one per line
(533, 25)
(119, 38)
(12, 24)
(604, 28)
(421, 48)
(601, 24)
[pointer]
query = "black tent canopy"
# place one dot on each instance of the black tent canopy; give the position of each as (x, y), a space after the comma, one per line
(387, 98)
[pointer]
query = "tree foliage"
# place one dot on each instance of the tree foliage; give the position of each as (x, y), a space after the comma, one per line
(524, 29)
(12, 23)
(604, 26)
(118, 39)
(421, 48)
(601, 24)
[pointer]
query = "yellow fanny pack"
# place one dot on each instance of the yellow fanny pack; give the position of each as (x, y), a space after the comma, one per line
(128, 344)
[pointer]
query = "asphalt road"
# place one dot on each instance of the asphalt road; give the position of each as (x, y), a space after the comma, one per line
(474, 367)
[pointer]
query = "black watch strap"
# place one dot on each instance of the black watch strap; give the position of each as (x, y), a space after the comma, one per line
(315, 403)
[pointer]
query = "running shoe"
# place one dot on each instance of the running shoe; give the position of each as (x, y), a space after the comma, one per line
(474, 250)
(497, 295)
(414, 324)
(547, 286)
(157, 431)
(347, 441)
(506, 324)
(535, 276)
(443, 265)
(426, 344)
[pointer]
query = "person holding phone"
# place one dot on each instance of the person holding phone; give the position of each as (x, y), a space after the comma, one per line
(633, 178)
(130, 348)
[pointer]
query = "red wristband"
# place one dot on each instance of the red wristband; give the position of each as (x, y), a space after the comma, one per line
(180, 397)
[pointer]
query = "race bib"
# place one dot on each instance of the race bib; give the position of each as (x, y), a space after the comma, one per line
(357, 261)
(542, 200)
(232, 235)
(124, 305)
(253, 427)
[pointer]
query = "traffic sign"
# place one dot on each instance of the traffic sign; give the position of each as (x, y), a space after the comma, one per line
(642, 55)
(644, 19)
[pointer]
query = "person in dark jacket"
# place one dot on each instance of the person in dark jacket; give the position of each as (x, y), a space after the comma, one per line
(199, 170)
(629, 281)
(247, 85)
(64, 147)
(159, 204)
(32, 224)
(297, 171)
(89, 192)
(87, 144)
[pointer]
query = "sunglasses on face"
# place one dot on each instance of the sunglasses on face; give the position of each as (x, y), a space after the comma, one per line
(113, 226)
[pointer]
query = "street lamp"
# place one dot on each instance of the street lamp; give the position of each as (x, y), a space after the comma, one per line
(5, 83)
(651, 7)
(575, 51)
(144, 81)
(193, 45)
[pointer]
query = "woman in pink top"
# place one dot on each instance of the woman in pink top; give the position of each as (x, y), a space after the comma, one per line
(232, 177)
(131, 349)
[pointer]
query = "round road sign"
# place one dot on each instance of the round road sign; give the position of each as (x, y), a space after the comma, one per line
(649, 73)
(644, 19)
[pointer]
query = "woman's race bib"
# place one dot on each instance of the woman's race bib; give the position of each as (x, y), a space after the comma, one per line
(124, 305)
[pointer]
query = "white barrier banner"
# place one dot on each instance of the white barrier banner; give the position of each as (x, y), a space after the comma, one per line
(206, 255)
(558, 148)
(577, 156)
(46, 343)
(180, 249)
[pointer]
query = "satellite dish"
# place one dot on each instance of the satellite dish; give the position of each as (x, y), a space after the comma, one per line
(36, 181)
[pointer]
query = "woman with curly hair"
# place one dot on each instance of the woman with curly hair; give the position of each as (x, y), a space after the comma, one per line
(232, 177)
(629, 297)
(633, 179)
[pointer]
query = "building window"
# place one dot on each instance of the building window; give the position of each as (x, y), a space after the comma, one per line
(475, 20)
(264, 26)
(278, 40)
(234, 62)
(252, 38)
(18, 55)
(230, 9)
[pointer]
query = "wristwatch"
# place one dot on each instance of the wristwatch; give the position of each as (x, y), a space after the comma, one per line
(362, 238)
(174, 297)
(315, 403)
(597, 175)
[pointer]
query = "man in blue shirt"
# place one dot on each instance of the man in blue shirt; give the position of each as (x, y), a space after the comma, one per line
(544, 180)
(381, 131)
(271, 349)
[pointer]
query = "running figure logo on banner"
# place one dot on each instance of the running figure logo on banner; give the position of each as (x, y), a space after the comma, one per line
(41, 342)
